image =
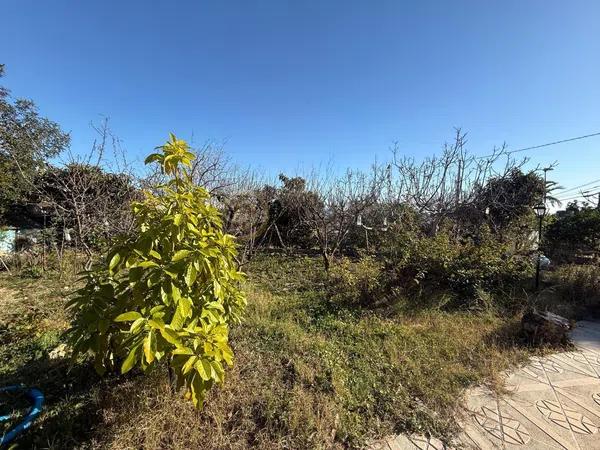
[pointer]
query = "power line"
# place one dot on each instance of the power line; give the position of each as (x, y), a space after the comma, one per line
(576, 138)
(571, 195)
(575, 197)
(582, 195)
(574, 188)
(563, 200)
(591, 189)
(580, 186)
(555, 142)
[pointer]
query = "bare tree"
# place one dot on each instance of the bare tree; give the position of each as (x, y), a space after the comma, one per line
(245, 206)
(440, 186)
(340, 200)
(87, 196)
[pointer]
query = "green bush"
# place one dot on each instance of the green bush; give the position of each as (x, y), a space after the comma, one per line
(575, 233)
(464, 269)
(356, 282)
(168, 293)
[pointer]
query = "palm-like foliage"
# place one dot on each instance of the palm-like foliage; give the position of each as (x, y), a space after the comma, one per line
(552, 186)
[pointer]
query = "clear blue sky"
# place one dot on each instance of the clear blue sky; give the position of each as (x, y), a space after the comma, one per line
(288, 83)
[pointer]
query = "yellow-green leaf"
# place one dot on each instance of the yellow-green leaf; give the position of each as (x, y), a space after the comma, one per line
(203, 368)
(198, 391)
(177, 320)
(114, 261)
(155, 254)
(149, 346)
(170, 336)
(164, 295)
(156, 324)
(217, 371)
(152, 157)
(189, 364)
(190, 275)
(185, 305)
(227, 355)
(130, 360)
(128, 316)
(175, 293)
(146, 264)
(183, 351)
(137, 325)
(181, 254)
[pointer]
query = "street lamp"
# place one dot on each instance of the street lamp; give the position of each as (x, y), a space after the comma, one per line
(540, 212)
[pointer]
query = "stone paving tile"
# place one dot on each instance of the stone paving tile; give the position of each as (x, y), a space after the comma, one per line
(551, 403)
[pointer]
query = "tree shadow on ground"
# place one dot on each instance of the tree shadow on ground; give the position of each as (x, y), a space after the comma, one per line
(510, 336)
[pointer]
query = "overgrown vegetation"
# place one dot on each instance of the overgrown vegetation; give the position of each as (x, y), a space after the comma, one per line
(575, 234)
(573, 291)
(309, 373)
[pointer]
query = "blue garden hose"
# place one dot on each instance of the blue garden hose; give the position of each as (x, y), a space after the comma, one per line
(36, 397)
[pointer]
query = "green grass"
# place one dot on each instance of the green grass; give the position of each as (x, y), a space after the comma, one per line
(309, 373)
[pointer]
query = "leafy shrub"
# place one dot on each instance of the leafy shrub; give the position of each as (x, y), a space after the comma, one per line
(577, 287)
(462, 268)
(357, 282)
(168, 293)
(577, 232)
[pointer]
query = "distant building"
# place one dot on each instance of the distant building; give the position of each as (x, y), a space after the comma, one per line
(563, 213)
(8, 237)
(22, 227)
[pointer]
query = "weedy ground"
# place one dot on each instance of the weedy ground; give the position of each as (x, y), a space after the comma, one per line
(309, 373)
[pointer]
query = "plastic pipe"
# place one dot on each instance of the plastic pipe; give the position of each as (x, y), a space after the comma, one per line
(36, 397)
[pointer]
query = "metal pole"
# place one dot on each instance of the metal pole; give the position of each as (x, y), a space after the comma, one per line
(541, 217)
(44, 242)
(539, 256)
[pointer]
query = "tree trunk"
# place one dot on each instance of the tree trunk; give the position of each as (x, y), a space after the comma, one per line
(326, 261)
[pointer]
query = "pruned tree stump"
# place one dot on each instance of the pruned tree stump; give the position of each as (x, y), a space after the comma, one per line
(545, 327)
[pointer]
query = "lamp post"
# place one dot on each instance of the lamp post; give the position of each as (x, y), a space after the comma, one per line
(540, 212)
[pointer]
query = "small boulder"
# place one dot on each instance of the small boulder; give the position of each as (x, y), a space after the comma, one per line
(545, 327)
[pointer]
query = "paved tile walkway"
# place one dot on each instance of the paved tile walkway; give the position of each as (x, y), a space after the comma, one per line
(552, 403)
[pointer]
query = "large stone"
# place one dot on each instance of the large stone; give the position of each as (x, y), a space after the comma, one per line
(545, 327)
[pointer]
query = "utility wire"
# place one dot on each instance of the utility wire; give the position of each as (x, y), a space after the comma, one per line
(546, 145)
(582, 195)
(555, 142)
(571, 195)
(577, 187)
(562, 200)
(591, 189)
